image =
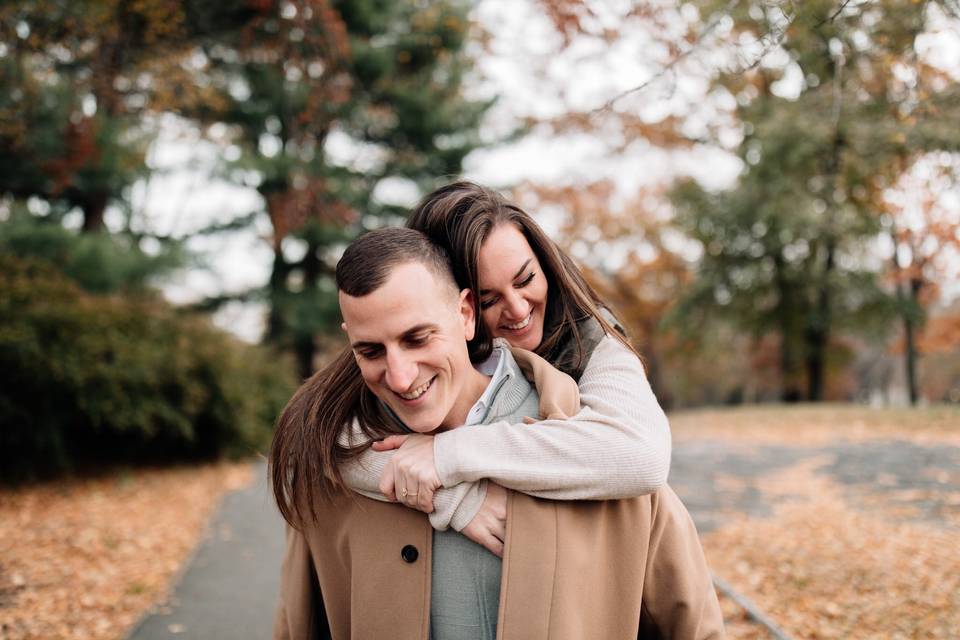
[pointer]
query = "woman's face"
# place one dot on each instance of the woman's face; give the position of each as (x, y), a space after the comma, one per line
(513, 289)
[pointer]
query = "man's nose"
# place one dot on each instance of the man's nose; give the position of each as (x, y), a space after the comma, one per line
(516, 306)
(401, 372)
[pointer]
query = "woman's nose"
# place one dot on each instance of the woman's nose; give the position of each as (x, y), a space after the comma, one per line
(516, 306)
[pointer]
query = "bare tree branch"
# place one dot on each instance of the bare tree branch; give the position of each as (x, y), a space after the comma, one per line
(843, 5)
(952, 7)
(667, 68)
(770, 41)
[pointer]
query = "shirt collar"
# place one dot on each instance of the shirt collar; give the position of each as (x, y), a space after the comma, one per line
(495, 367)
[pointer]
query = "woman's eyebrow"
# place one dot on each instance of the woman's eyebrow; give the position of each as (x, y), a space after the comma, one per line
(519, 272)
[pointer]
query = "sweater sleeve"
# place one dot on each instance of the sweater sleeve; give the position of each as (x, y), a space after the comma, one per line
(452, 507)
(617, 446)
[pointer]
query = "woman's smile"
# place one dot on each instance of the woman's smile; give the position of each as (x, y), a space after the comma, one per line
(523, 324)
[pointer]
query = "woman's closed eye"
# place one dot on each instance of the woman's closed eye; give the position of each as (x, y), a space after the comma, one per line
(520, 284)
(489, 302)
(525, 281)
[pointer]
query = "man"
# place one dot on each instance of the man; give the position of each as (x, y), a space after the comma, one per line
(367, 569)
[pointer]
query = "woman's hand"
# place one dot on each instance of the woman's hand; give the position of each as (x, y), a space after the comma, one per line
(489, 527)
(411, 475)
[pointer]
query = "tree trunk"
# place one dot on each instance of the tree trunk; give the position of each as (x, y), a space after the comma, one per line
(910, 346)
(910, 359)
(93, 207)
(789, 386)
(654, 367)
(305, 350)
(789, 389)
(305, 344)
(817, 333)
(276, 324)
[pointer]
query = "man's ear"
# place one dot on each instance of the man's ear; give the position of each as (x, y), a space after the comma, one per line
(467, 314)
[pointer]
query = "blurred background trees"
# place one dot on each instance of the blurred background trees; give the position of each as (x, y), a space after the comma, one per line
(783, 248)
(841, 123)
(824, 268)
(105, 369)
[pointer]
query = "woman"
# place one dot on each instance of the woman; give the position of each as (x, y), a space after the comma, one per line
(530, 293)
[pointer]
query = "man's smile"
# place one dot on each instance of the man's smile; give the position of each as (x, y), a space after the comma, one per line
(415, 394)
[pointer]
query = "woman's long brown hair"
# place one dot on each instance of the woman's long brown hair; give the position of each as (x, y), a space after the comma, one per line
(305, 456)
(460, 216)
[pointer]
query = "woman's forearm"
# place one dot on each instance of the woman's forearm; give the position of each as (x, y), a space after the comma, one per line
(452, 506)
(617, 446)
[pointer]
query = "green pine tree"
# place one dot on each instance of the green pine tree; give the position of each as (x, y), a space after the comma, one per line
(77, 81)
(382, 77)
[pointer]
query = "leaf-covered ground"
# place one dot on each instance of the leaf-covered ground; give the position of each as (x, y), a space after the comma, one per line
(837, 522)
(85, 558)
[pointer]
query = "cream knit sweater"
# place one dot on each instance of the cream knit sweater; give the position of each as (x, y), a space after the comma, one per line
(617, 446)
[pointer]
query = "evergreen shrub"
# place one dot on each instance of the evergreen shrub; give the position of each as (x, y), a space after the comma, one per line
(91, 380)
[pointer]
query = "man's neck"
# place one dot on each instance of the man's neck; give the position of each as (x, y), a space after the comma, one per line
(474, 386)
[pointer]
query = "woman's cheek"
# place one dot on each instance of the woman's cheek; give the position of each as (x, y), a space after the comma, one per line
(540, 320)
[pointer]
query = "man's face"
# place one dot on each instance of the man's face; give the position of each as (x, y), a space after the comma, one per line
(410, 341)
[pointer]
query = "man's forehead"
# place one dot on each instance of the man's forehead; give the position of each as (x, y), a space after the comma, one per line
(382, 329)
(408, 299)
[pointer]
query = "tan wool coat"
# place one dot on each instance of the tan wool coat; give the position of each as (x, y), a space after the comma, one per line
(572, 570)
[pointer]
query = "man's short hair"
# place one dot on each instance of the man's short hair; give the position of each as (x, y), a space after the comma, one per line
(368, 260)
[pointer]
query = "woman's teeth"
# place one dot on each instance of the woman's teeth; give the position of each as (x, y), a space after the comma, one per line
(520, 325)
(419, 391)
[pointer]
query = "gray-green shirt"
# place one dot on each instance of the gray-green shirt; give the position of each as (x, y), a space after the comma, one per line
(465, 590)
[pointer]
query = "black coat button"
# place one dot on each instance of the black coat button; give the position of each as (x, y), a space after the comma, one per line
(409, 553)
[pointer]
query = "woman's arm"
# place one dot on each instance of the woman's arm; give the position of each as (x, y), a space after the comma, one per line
(476, 509)
(617, 446)
(452, 507)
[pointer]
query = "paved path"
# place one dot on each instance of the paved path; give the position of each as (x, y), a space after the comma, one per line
(230, 588)
(924, 476)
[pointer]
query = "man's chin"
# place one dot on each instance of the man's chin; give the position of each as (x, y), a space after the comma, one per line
(418, 422)
(422, 428)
